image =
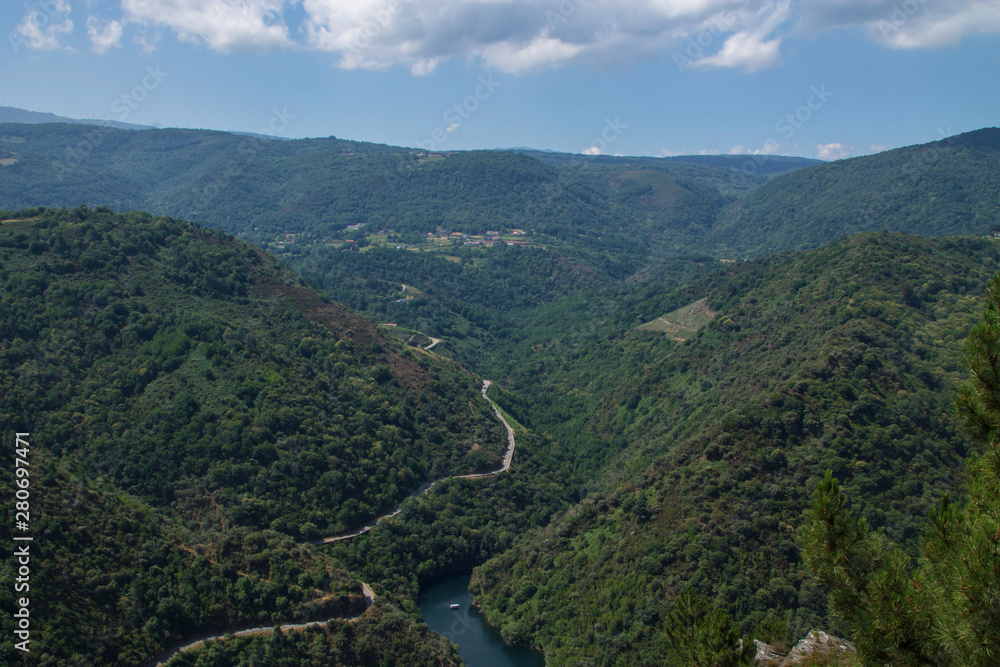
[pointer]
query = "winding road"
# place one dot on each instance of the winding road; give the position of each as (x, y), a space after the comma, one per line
(430, 485)
(365, 589)
(198, 643)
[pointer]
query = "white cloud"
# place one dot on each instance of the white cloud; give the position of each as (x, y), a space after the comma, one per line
(593, 150)
(833, 151)
(43, 25)
(514, 36)
(518, 36)
(770, 147)
(914, 24)
(223, 25)
(148, 40)
(747, 51)
(876, 148)
(103, 36)
(754, 48)
(666, 152)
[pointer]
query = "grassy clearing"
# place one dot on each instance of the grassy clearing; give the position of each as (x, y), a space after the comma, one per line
(684, 322)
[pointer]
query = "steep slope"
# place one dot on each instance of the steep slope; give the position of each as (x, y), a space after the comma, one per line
(935, 189)
(842, 359)
(196, 414)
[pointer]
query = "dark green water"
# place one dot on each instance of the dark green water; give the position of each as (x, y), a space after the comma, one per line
(478, 643)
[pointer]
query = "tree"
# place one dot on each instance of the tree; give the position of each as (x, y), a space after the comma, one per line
(703, 637)
(945, 608)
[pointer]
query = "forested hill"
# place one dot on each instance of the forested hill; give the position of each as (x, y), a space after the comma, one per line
(619, 215)
(944, 187)
(621, 211)
(195, 415)
(843, 359)
(768, 165)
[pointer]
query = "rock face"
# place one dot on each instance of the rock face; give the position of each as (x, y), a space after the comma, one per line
(767, 656)
(818, 648)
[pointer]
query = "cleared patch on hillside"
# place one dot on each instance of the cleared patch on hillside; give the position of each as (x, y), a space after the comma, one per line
(684, 322)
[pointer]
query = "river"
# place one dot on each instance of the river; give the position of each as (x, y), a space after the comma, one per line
(478, 643)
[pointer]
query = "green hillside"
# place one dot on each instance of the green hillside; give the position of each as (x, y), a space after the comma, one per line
(196, 414)
(317, 188)
(844, 359)
(944, 187)
(360, 219)
(200, 414)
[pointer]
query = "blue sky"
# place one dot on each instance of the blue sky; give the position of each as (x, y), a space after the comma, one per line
(823, 78)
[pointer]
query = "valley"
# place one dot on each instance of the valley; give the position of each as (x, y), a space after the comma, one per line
(366, 590)
(261, 403)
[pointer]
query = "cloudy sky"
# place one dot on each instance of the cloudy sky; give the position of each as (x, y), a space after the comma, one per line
(817, 78)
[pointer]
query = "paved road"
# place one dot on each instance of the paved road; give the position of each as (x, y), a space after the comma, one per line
(510, 438)
(429, 485)
(248, 632)
(366, 590)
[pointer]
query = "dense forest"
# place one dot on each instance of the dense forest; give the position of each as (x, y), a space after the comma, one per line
(845, 359)
(197, 415)
(202, 411)
(944, 187)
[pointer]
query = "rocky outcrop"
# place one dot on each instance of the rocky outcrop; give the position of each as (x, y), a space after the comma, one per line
(818, 648)
(767, 655)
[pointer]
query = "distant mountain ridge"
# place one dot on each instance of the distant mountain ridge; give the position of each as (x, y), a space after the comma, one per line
(615, 212)
(934, 189)
(766, 164)
(750, 164)
(630, 210)
(16, 115)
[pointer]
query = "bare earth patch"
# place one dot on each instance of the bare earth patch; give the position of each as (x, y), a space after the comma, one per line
(684, 322)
